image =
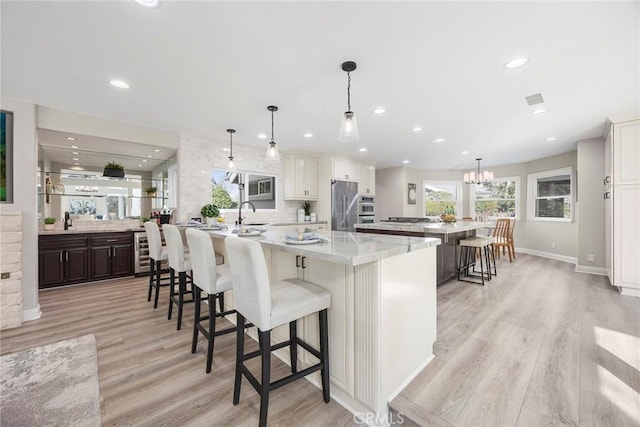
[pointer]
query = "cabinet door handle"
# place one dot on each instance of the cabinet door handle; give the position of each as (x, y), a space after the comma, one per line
(303, 265)
(607, 179)
(60, 256)
(67, 256)
(297, 261)
(112, 240)
(607, 195)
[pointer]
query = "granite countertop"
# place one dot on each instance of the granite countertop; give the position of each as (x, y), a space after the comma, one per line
(85, 231)
(426, 227)
(343, 247)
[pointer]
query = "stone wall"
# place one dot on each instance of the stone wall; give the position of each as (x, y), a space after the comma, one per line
(10, 262)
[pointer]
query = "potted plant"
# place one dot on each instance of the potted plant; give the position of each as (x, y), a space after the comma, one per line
(49, 223)
(151, 191)
(113, 170)
(210, 212)
(307, 210)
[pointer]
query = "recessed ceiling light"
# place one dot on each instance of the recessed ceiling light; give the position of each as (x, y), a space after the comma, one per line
(379, 110)
(539, 111)
(363, 149)
(77, 164)
(226, 149)
(144, 160)
(149, 156)
(416, 129)
(76, 159)
(551, 138)
(139, 166)
(74, 146)
(70, 138)
(438, 140)
(74, 152)
(156, 150)
(516, 62)
(148, 3)
(119, 84)
(308, 135)
(465, 152)
(405, 161)
(262, 136)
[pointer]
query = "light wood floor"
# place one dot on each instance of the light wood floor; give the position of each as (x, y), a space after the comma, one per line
(147, 374)
(540, 345)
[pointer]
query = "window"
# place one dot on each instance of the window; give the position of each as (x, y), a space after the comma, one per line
(230, 188)
(498, 199)
(438, 195)
(550, 195)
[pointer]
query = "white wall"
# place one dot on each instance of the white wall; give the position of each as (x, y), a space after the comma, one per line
(390, 197)
(25, 198)
(591, 171)
(197, 156)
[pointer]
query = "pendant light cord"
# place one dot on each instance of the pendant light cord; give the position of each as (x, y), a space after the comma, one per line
(231, 145)
(348, 91)
(272, 126)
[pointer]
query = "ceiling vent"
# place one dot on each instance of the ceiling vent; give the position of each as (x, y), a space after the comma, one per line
(534, 99)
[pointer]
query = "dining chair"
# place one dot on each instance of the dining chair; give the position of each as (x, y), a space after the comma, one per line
(511, 241)
(501, 235)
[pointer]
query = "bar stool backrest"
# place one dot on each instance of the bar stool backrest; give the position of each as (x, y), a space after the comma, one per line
(175, 248)
(501, 232)
(203, 260)
(154, 240)
(251, 287)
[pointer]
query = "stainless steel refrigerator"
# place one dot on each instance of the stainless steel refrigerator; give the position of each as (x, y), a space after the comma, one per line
(344, 205)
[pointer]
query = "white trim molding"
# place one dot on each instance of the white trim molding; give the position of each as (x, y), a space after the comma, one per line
(31, 314)
(558, 257)
(600, 271)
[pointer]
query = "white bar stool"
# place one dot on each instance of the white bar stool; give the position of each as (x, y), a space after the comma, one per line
(268, 305)
(157, 254)
(213, 280)
(468, 249)
(180, 263)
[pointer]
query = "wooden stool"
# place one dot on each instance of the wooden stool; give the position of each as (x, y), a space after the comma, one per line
(468, 248)
(268, 305)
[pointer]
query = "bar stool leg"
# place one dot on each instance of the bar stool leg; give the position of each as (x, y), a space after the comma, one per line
(265, 349)
(487, 261)
(293, 347)
(460, 261)
(157, 281)
(212, 329)
(493, 256)
(324, 352)
(151, 278)
(172, 284)
(196, 322)
(182, 289)
(221, 301)
(239, 357)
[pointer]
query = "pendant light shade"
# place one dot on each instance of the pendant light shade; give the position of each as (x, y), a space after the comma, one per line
(272, 150)
(478, 178)
(349, 126)
(231, 132)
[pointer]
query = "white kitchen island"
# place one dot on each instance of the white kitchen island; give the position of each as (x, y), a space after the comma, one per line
(382, 319)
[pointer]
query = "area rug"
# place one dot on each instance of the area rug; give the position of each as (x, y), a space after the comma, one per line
(51, 385)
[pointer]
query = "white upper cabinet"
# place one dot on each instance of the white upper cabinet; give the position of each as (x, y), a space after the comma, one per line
(626, 152)
(346, 170)
(367, 183)
(300, 177)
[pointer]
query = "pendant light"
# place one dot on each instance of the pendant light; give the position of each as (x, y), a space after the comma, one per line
(272, 150)
(481, 178)
(349, 125)
(231, 132)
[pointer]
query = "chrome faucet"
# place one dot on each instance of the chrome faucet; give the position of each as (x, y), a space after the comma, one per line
(67, 221)
(239, 221)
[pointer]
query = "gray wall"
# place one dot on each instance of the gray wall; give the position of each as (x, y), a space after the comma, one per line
(591, 170)
(540, 236)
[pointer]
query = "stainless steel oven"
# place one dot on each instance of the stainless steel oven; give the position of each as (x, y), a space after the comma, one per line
(366, 209)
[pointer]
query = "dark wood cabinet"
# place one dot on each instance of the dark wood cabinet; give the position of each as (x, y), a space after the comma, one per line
(75, 258)
(62, 260)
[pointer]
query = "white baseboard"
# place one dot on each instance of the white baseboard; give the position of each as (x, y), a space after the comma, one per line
(410, 378)
(600, 271)
(31, 314)
(558, 257)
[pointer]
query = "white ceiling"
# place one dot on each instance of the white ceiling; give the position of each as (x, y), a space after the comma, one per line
(203, 67)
